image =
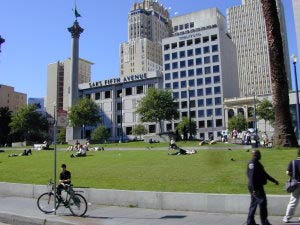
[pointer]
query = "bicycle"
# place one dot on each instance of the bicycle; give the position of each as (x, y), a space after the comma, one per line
(74, 201)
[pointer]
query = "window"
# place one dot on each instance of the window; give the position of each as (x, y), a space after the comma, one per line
(216, 69)
(168, 85)
(199, 82)
(186, 26)
(197, 41)
(184, 114)
(183, 84)
(128, 130)
(189, 42)
(193, 114)
(166, 47)
(174, 55)
(190, 52)
(200, 113)
(200, 92)
(175, 85)
(183, 94)
(140, 89)
(192, 94)
(167, 66)
(215, 58)
(207, 80)
(217, 90)
(214, 48)
(219, 122)
(181, 44)
(167, 76)
(201, 123)
(167, 57)
(119, 106)
(176, 28)
(128, 91)
(198, 51)
(190, 62)
(107, 94)
(216, 79)
(214, 37)
(191, 73)
(174, 65)
(182, 64)
(207, 70)
(174, 45)
(209, 102)
(218, 101)
(209, 123)
(97, 96)
(206, 50)
(206, 59)
(183, 74)
(198, 61)
(209, 112)
(199, 71)
(218, 112)
(192, 83)
(205, 39)
(200, 102)
(184, 105)
(182, 54)
(175, 95)
(181, 27)
(152, 128)
(175, 75)
(191, 24)
(208, 91)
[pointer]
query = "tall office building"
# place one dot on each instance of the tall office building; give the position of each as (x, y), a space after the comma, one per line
(58, 85)
(246, 25)
(148, 24)
(11, 99)
(296, 7)
(200, 67)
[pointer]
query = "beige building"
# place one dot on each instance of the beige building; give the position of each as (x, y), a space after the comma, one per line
(148, 24)
(296, 6)
(11, 99)
(246, 25)
(58, 84)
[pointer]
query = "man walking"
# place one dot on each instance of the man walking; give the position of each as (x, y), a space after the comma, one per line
(294, 199)
(257, 178)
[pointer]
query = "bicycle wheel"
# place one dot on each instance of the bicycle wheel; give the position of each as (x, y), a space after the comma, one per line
(46, 202)
(78, 205)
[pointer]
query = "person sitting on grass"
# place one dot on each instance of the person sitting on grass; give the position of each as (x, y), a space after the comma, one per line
(26, 152)
(81, 152)
(183, 152)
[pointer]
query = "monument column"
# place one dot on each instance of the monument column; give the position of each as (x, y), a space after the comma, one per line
(74, 132)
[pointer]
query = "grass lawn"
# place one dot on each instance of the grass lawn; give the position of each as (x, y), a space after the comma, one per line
(208, 171)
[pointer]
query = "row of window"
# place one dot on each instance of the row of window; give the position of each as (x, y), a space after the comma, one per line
(184, 26)
(191, 52)
(199, 81)
(190, 42)
(197, 71)
(199, 92)
(200, 103)
(191, 62)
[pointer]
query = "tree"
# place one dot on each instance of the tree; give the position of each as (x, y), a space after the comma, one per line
(29, 124)
(84, 112)
(101, 134)
(185, 123)
(238, 122)
(61, 135)
(5, 119)
(265, 111)
(284, 134)
(139, 130)
(157, 106)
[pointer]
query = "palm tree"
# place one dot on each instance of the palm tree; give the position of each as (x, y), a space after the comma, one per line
(284, 134)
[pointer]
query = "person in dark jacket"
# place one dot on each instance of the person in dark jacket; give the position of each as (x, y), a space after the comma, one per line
(257, 178)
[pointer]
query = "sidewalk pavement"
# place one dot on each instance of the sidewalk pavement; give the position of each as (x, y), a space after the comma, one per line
(24, 211)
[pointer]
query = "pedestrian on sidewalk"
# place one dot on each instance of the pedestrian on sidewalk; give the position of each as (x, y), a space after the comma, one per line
(294, 199)
(257, 178)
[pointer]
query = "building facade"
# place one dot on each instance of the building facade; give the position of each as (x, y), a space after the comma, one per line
(117, 99)
(148, 24)
(11, 99)
(58, 84)
(246, 26)
(200, 67)
(296, 7)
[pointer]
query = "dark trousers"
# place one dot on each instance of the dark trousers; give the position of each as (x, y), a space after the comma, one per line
(261, 200)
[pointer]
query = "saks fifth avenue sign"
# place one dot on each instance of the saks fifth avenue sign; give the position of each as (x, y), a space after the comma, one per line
(118, 80)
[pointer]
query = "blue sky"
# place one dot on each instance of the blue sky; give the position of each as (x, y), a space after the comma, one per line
(36, 35)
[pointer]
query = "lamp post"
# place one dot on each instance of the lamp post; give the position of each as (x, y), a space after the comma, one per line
(2, 40)
(189, 107)
(83, 131)
(212, 126)
(294, 60)
(121, 120)
(254, 112)
(54, 140)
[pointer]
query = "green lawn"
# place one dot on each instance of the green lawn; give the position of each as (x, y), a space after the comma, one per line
(208, 171)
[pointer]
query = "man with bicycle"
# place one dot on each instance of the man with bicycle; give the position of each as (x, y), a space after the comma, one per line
(64, 180)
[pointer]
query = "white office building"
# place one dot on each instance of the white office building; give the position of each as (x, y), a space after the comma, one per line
(200, 67)
(246, 25)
